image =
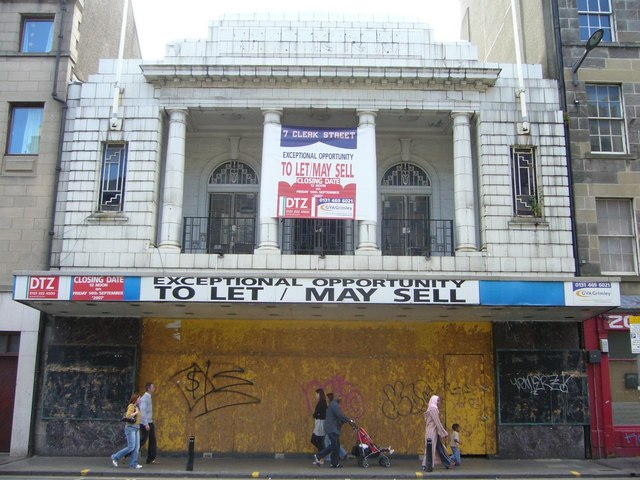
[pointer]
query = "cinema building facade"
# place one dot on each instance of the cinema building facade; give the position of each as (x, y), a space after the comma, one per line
(303, 203)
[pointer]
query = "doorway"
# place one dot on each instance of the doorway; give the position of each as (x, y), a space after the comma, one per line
(231, 226)
(465, 396)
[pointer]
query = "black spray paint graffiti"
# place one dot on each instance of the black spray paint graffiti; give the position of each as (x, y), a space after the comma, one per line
(403, 400)
(207, 391)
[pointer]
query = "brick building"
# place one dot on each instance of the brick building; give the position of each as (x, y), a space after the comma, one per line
(599, 95)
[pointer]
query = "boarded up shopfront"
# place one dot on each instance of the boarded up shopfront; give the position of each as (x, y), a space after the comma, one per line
(248, 386)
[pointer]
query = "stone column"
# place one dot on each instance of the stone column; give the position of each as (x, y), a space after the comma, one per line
(172, 199)
(268, 242)
(368, 229)
(463, 184)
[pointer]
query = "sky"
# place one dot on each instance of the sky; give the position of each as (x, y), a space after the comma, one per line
(162, 21)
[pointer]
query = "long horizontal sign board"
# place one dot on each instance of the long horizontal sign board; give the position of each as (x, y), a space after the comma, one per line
(115, 288)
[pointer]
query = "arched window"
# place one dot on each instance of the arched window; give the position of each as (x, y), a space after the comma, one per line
(233, 204)
(407, 227)
(406, 175)
(230, 225)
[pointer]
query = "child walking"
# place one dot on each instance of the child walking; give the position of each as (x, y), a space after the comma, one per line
(455, 444)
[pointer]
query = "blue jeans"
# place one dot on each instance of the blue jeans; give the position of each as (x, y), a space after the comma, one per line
(442, 453)
(456, 455)
(333, 448)
(132, 432)
(327, 442)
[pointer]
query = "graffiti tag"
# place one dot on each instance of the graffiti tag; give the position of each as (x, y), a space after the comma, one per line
(208, 391)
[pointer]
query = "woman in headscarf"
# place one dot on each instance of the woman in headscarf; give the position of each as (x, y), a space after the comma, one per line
(436, 432)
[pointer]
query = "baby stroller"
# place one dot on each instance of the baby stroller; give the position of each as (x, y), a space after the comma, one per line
(365, 449)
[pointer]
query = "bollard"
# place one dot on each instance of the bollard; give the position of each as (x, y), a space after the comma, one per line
(429, 455)
(192, 443)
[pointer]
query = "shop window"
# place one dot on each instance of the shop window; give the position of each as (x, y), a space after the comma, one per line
(24, 129)
(37, 34)
(526, 201)
(606, 121)
(114, 168)
(616, 236)
(623, 371)
(593, 15)
(9, 343)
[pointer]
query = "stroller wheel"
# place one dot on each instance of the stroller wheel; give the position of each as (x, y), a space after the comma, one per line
(362, 462)
(384, 462)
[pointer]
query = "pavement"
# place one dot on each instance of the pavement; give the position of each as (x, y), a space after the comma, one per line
(299, 467)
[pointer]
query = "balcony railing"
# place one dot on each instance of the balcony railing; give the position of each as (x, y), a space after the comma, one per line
(317, 237)
(417, 237)
(400, 236)
(219, 235)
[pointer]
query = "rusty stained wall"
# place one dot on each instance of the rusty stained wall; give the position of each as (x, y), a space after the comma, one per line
(248, 386)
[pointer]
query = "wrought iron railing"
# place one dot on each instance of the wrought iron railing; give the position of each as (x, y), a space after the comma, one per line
(317, 237)
(219, 235)
(400, 236)
(417, 237)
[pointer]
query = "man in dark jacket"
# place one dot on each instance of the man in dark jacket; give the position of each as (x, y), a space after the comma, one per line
(332, 425)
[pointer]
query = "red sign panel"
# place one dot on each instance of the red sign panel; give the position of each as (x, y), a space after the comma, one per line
(43, 287)
(98, 287)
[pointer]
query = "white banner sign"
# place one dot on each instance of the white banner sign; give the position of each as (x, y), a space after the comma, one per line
(309, 290)
(325, 173)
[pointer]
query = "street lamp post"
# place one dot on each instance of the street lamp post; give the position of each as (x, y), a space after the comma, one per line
(593, 42)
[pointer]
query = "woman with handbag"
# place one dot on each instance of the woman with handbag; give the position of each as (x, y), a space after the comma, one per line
(319, 414)
(132, 433)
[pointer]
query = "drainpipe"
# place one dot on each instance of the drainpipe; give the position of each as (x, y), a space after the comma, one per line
(524, 128)
(116, 123)
(63, 119)
(565, 117)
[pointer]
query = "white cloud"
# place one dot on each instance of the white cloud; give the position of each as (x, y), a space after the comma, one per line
(161, 21)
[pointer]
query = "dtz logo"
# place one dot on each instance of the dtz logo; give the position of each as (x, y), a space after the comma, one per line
(40, 287)
(42, 283)
(297, 203)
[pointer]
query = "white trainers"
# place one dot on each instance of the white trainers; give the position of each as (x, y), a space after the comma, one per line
(114, 461)
(137, 466)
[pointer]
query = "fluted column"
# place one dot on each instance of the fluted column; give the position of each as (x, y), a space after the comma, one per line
(368, 229)
(463, 185)
(173, 193)
(268, 242)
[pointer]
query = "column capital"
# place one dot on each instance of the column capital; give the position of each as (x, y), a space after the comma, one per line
(367, 117)
(463, 114)
(272, 115)
(176, 110)
(177, 114)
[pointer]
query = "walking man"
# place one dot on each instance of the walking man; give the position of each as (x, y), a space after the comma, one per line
(147, 429)
(332, 426)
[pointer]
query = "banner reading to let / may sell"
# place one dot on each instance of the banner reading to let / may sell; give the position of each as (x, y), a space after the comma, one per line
(319, 172)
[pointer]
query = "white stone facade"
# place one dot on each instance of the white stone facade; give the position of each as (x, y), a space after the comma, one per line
(205, 103)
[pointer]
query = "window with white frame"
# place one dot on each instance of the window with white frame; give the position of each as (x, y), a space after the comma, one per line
(616, 236)
(37, 34)
(606, 121)
(114, 170)
(595, 15)
(24, 129)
